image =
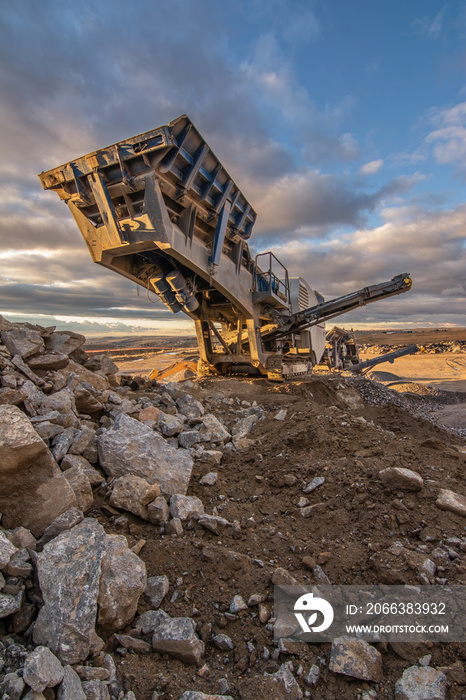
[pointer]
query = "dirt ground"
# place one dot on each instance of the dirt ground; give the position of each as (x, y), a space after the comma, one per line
(329, 431)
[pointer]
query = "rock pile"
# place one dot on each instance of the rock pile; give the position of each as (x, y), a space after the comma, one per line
(67, 427)
(134, 567)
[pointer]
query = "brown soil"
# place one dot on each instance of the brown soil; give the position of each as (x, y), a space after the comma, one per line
(329, 431)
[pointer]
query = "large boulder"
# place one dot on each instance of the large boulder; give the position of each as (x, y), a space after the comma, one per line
(122, 582)
(48, 361)
(190, 407)
(213, 431)
(68, 570)
(34, 491)
(22, 341)
(81, 374)
(64, 342)
(130, 447)
(85, 575)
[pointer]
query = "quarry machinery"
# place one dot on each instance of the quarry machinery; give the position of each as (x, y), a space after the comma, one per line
(161, 210)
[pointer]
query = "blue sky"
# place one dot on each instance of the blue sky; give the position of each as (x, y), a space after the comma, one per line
(343, 122)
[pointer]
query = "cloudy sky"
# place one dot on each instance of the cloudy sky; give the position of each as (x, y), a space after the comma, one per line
(344, 123)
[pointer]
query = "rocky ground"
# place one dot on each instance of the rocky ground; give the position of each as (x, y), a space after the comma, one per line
(144, 527)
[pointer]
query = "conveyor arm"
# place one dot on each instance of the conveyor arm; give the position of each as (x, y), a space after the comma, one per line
(335, 307)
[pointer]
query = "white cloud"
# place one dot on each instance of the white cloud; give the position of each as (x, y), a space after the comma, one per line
(373, 167)
(427, 244)
(430, 26)
(449, 138)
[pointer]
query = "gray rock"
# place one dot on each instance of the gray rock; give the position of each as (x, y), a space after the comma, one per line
(63, 442)
(177, 637)
(256, 599)
(122, 582)
(77, 479)
(63, 522)
(68, 572)
(209, 479)
(21, 537)
(174, 527)
(75, 374)
(42, 669)
(19, 565)
(242, 428)
(95, 690)
(64, 342)
(61, 401)
(356, 658)
(421, 683)
(81, 441)
(237, 604)
(33, 489)
(312, 485)
(213, 431)
(402, 479)
(281, 415)
(213, 457)
(30, 392)
(101, 363)
(91, 452)
(48, 361)
(189, 406)
(170, 425)
(214, 523)
(19, 363)
(132, 493)
(150, 620)
(156, 590)
(7, 549)
(32, 695)
(22, 341)
(47, 430)
(158, 511)
(113, 684)
(22, 620)
(188, 438)
(139, 646)
(449, 500)
(223, 642)
(70, 460)
(12, 686)
(10, 604)
(185, 507)
(85, 399)
(131, 447)
(286, 679)
(70, 688)
(312, 678)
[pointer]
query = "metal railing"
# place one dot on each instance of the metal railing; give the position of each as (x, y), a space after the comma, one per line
(272, 277)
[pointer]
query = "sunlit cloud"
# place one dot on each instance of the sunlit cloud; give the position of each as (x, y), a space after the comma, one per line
(371, 168)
